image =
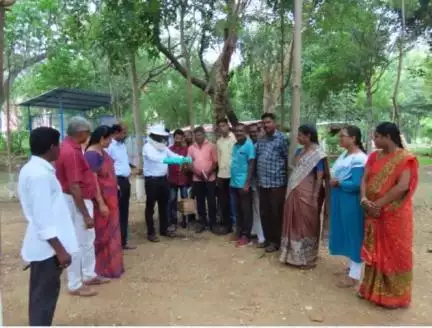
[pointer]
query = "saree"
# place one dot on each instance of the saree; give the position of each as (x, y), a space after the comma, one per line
(387, 246)
(108, 248)
(302, 210)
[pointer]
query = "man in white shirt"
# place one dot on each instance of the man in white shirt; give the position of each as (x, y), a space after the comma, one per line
(225, 146)
(118, 152)
(156, 157)
(50, 236)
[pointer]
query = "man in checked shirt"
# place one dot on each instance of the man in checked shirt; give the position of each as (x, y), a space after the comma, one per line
(272, 158)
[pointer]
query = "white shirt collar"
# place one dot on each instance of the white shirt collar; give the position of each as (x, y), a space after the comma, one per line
(42, 162)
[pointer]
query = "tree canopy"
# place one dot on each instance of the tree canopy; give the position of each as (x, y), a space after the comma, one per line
(236, 55)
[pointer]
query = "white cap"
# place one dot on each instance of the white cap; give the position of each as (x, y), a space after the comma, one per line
(159, 130)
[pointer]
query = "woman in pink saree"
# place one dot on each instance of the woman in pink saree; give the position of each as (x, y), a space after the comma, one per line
(304, 200)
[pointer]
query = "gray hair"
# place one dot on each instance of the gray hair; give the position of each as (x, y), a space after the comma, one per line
(78, 124)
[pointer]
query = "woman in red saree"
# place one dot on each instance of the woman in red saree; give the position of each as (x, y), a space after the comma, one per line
(108, 248)
(389, 182)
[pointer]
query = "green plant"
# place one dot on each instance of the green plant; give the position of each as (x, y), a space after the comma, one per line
(332, 144)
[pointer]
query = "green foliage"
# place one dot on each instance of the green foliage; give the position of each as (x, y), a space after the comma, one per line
(332, 144)
(345, 43)
(124, 27)
(19, 144)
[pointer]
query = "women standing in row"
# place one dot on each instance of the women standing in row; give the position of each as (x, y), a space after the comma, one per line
(346, 223)
(305, 198)
(390, 179)
(108, 248)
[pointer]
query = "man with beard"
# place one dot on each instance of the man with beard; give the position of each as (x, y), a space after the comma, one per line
(118, 152)
(272, 157)
(204, 165)
(224, 145)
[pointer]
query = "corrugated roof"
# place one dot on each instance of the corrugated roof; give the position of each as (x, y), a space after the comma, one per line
(70, 99)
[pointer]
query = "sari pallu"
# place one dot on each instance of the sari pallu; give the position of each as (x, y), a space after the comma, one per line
(108, 248)
(387, 246)
(302, 211)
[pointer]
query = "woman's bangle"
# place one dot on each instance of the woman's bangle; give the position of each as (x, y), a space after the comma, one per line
(363, 201)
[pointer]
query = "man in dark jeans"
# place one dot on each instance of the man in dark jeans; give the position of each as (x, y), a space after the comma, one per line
(242, 171)
(224, 146)
(118, 152)
(177, 179)
(204, 165)
(156, 158)
(272, 157)
(50, 236)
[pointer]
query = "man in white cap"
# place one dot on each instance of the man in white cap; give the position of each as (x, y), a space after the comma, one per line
(157, 156)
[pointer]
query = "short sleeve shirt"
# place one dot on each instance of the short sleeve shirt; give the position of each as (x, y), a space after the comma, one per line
(224, 152)
(203, 158)
(71, 168)
(241, 155)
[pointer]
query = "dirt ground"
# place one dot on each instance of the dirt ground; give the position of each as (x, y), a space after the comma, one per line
(206, 280)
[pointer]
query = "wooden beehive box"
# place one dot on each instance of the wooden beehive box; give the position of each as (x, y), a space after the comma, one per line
(187, 206)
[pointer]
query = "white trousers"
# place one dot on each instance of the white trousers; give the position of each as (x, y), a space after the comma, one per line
(83, 263)
(256, 226)
(355, 270)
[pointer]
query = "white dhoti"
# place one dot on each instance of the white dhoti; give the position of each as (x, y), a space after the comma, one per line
(83, 263)
(256, 226)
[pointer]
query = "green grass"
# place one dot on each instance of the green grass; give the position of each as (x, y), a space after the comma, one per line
(425, 160)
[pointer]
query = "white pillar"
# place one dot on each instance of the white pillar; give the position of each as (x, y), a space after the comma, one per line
(139, 188)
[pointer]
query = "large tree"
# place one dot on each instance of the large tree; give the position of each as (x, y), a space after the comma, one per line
(215, 77)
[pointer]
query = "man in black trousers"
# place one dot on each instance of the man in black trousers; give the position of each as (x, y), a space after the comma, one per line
(50, 237)
(118, 152)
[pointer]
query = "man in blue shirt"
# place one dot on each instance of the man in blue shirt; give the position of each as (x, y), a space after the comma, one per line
(272, 158)
(242, 170)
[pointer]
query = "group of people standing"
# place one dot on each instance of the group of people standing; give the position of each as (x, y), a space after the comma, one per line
(361, 203)
(78, 208)
(75, 196)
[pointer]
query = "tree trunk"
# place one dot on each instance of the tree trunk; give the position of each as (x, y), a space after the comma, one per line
(11, 176)
(270, 94)
(2, 25)
(274, 82)
(282, 64)
(370, 119)
(220, 99)
(136, 111)
(219, 89)
(297, 70)
(186, 56)
(396, 110)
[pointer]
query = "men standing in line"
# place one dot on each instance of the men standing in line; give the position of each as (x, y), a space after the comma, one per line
(50, 236)
(177, 178)
(118, 152)
(256, 226)
(204, 165)
(156, 157)
(224, 152)
(79, 187)
(272, 157)
(242, 170)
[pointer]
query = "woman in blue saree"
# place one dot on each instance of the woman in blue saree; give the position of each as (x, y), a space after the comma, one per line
(346, 214)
